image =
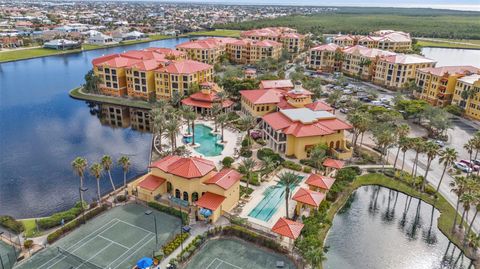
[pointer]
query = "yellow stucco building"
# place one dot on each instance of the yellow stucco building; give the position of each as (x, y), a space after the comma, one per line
(470, 99)
(195, 181)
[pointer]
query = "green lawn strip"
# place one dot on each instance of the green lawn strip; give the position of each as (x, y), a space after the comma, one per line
(217, 32)
(23, 54)
(447, 211)
(30, 228)
(446, 44)
(78, 94)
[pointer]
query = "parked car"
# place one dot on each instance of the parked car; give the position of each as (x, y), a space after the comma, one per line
(344, 110)
(476, 162)
(463, 167)
(470, 164)
(440, 143)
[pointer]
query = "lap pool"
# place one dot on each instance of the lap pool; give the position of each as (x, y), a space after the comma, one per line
(208, 142)
(273, 196)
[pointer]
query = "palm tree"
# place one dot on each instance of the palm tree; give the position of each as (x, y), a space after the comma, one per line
(222, 119)
(246, 168)
(447, 157)
(476, 203)
(384, 137)
(419, 146)
(191, 117)
(402, 132)
(216, 110)
(268, 164)
(432, 149)
(107, 164)
(404, 144)
(185, 111)
(79, 165)
(172, 128)
(317, 156)
(467, 199)
(124, 161)
(96, 171)
(286, 181)
(458, 186)
(469, 147)
(315, 256)
(248, 122)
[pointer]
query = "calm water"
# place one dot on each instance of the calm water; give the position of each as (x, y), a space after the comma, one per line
(381, 228)
(445, 57)
(42, 130)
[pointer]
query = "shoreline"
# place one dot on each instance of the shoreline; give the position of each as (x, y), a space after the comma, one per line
(78, 94)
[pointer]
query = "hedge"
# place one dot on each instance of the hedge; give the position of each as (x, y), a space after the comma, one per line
(292, 165)
(56, 219)
(268, 152)
(171, 211)
(171, 246)
(59, 233)
(11, 224)
(227, 161)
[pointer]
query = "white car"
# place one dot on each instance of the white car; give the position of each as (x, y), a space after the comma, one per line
(463, 167)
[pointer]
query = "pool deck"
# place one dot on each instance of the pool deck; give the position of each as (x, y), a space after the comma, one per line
(257, 196)
(228, 147)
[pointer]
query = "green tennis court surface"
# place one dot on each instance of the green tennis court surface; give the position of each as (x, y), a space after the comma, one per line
(236, 254)
(116, 239)
(7, 256)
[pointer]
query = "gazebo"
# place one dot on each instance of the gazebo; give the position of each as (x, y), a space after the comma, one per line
(307, 199)
(287, 228)
(319, 183)
(332, 165)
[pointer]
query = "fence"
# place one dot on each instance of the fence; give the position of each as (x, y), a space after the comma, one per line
(7, 260)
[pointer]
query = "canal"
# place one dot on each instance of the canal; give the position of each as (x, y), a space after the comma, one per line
(379, 228)
(42, 130)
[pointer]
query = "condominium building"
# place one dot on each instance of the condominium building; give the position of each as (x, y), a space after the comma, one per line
(207, 50)
(384, 39)
(248, 51)
(467, 95)
(291, 41)
(396, 70)
(325, 58)
(131, 73)
(361, 61)
(437, 84)
(192, 181)
(179, 77)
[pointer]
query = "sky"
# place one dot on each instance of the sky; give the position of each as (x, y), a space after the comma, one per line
(446, 4)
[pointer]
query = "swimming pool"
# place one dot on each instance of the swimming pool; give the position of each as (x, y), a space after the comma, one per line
(208, 142)
(273, 196)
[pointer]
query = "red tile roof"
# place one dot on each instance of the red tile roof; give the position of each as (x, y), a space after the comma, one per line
(192, 167)
(319, 106)
(309, 197)
(262, 96)
(151, 182)
(451, 70)
(189, 101)
(210, 201)
(327, 47)
(320, 181)
(207, 43)
(333, 163)
(185, 67)
(288, 228)
(272, 84)
(225, 178)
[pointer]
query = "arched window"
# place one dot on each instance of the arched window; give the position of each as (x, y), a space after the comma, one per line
(194, 196)
(185, 196)
(331, 144)
(338, 145)
(169, 187)
(177, 193)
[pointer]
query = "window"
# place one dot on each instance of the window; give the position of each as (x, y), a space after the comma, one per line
(114, 72)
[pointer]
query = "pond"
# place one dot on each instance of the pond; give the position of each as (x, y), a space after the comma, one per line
(382, 228)
(446, 57)
(42, 130)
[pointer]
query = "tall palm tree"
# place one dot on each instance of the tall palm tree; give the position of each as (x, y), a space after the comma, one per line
(185, 111)
(246, 168)
(107, 164)
(96, 171)
(248, 122)
(467, 199)
(268, 165)
(419, 146)
(476, 204)
(402, 132)
(216, 110)
(286, 181)
(222, 119)
(172, 128)
(458, 186)
(317, 155)
(432, 150)
(469, 147)
(404, 144)
(191, 117)
(447, 157)
(315, 256)
(124, 161)
(79, 165)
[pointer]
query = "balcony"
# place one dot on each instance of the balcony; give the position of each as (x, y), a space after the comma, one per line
(342, 154)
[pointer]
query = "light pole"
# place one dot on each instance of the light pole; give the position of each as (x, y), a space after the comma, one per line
(181, 226)
(148, 213)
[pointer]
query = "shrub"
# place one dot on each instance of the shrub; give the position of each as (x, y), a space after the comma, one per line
(171, 211)
(254, 180)
(171, 246)
(243, 190)
(245, 152)
(247, 142)
(455, 110)
(227, 161)
(264, 152)
(430, 190)
(389, 172)
(11, 224)
(307, 169)
(346, 174)
(56, 219)
(121, 198)
(261, 142)
(28, 243)
(357, 169)
(292, 165)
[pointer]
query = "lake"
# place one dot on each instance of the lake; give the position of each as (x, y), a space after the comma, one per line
(379, 228)
(42, 130)
(445, 57)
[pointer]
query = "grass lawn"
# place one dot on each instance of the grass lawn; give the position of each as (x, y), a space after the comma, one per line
(217, 32)
(450, 43)
(78, 94)
(41, 52)
(30, 228)
(447, 211)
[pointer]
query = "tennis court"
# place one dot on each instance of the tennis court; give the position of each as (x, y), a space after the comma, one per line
(236, 254)
(7, 255)
(116, 239)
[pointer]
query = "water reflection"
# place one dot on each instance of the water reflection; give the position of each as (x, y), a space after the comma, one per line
(383, 228)
(117, 116)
